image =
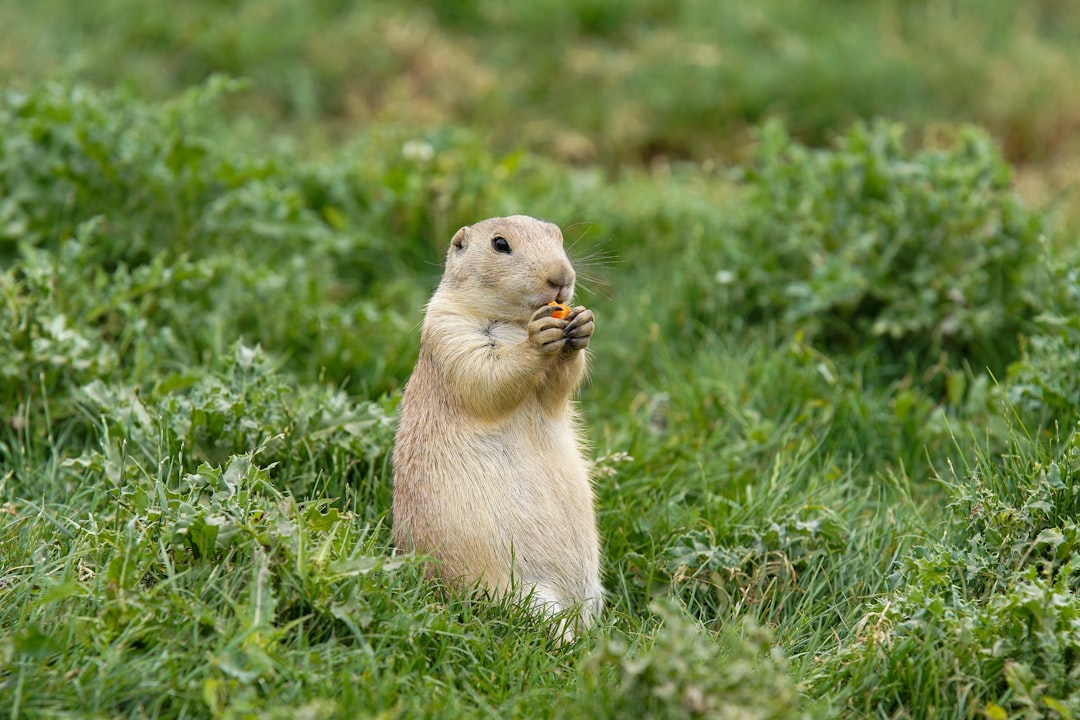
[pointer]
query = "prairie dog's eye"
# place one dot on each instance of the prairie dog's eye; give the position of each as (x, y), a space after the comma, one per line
(500, 244)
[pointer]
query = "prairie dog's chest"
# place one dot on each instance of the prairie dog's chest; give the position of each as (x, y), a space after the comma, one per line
(500, 334)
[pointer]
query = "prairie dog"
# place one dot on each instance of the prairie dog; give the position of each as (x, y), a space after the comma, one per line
(489, 475)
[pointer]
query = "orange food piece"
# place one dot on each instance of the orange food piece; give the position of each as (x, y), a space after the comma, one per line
(560, 311)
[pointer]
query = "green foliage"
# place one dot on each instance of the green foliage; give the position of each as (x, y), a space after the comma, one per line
(684, 674)
(68, 155)
(1043, 383)
(984, 618)
(622, 81)
(209, 416)
(870, 244)
(760, 566)
(216, 557)
(127, 220)
(203, 335)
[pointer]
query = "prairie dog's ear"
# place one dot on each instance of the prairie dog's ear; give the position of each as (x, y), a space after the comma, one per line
(460, 239)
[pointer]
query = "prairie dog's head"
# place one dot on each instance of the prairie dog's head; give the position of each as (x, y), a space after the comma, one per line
(507, 267)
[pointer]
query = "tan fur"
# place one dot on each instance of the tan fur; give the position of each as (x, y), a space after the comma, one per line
(489, 475)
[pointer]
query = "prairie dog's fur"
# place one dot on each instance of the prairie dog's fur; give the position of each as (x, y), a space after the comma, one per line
(489, 475)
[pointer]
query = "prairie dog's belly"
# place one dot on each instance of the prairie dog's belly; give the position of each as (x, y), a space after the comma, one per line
(526, 478)
(514, 493)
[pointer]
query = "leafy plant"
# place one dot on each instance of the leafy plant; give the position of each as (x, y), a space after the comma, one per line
(916, 253)
(683, 674)
(757, 564)
(243, 405)
(1043, 383)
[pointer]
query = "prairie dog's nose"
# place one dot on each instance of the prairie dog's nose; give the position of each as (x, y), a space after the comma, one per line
(561, 276)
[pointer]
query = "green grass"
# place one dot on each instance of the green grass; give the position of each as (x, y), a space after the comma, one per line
(833, 404)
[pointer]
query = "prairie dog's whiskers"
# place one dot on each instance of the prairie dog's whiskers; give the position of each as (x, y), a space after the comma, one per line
(590, 272)
(586, 226)
(599, 258)
(595, 286)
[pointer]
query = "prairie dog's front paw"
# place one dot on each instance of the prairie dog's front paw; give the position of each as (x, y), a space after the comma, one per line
(546, 332)
(579, 328)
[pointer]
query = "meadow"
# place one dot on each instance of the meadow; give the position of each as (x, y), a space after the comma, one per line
(834, 408)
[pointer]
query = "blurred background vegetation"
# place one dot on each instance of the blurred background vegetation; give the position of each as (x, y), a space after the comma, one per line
(617, 82)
